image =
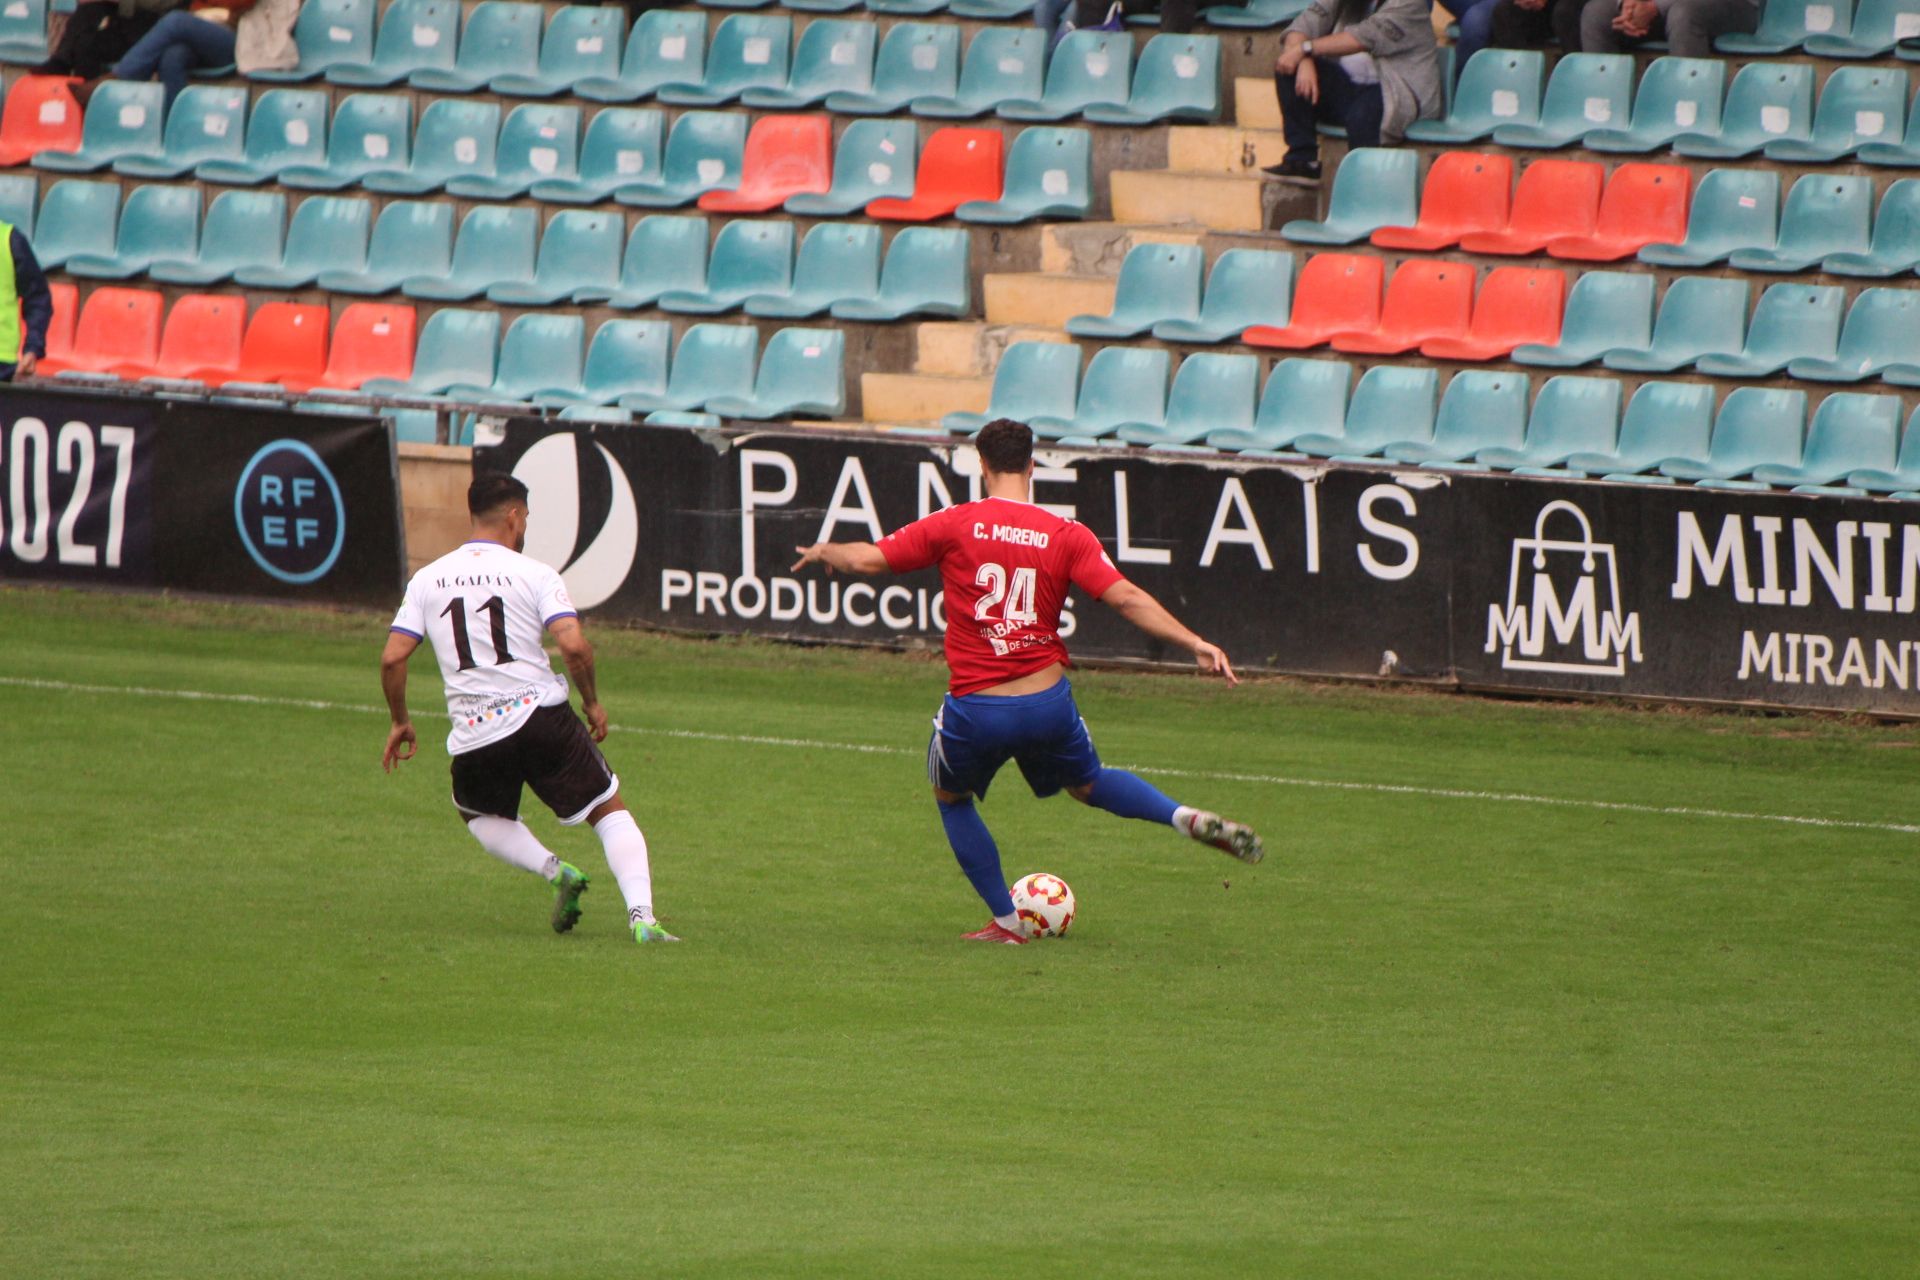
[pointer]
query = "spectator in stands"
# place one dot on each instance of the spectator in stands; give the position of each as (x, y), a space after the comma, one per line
(1529, 24)
(1476, 29)
(254, 34)
(99, 33)
(1371, 66)
(1688, 26)
(1050, 17)
(1176, 16)
(26, 308)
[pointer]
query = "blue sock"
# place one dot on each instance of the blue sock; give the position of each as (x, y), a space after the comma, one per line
(979, 856)
(1130, 796)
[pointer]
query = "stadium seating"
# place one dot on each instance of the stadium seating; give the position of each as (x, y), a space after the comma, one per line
(621, 143)
(1424, 300)
(1755, 427)
(1733, 209)
(1499, 87)
(914, 59)
(1904, 152)
(1606, 311)
(1157, 282)
(1858, 105)
(873, 159)
(286, 127)
(1210, 393)
(495, 245)
(802, 372)
(370, 340)
(1478, 411)
(1177, 78)
(1246, 287)
(665, 254)
(1642, 204)
(457, 347)
(1663, 420)
(1905, 471)
(578, 249)
(327, 233)
(1849, 433)
(958, 166)
(1792, 321)
(328, 33)
(541, 351)
(156, 224)
(1895, 247)
(748, 259)
(23, 31)
(200, 342)
(1572, 416)
(1556, 200)
(1301, 396)
(1003, 64)
(837, 262)
(538, 143)
(1877, 26)
(116, 327)
(1586, 91)
(1049, 175)
(40, 116)
(1824, 215)
(1335, 293)
(19, 198)
(1675, 96)
(414, 35)
(285, 346)
(371, 132)
(581, 43)
(1391, 404)
(748, 51)
(711, 360)
(1373, 188)
(1768, 101)
(703, 154)
(1699, 315)
(1881, 332)
(1515, 306)
(1256, 13)
(1088, 68)
(666, 46)
(1032, 380)
(123, 119)
(926, 273)
(76, 216)
(500, 38)
(1786, 24)
(784, 156)
(242, 229)
(624, 358)
(1465, 192)
(1123, 385)
(833, 56)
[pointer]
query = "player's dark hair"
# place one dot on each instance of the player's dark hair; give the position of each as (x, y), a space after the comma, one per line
(492, 490)
(1006, 446)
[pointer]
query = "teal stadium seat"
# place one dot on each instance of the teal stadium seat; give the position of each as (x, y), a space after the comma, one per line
(1881, 333)
(1733, 209)
(1481, 411)
(1663, 420)
(1032, 380)
(1605, 310)
(665, 254)
(23, 31)
(1374, 187)
(242, 229)
(19, 198)
(784, 156)
(749, 257)
(712, 360)
(1255, 13)
(623, 146)
(1905, 471)
(541, 352)
(371, 132)
(581, 43)
(206, 122)
(1786, 24)
(1792, 321)
(287, 127)
(1895, 248)
(1003, 64)
(1087, 67)
(457, 348)
(802, 373)
(495, 245)
(1768, 102)
(1049, 175)
(1756, 427)
(838, 262)
(76, 217)
(1210, 393)
(1825, 214)
(456, 139)
(667, 46)
(1391, 403)
(1700, 315)
(1571, 416)
(156, 223)
(1157, 282)
(1246, 287)
(580, 248)
(1123, 385)
(1904, 153)
(414, 35)
(834, 55)
(1675, 96)
(915, 58)
(1302, 397)
(1500, 87)
(500, 38)
(822, 6)
(1849, 433)
(1878, 25)
(992, 10)
(1587, 91)
(906, 8)
(749, 51)
(410, 238)
(1177, 78)
(328, 233)
(872, 160)
(927, 272)
(538, 143)
(703, 154)
(123, 119)
(626, 357)
(1858, 105)
(328, 33)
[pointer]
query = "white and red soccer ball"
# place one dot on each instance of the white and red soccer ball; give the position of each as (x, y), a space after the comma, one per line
(1044, 904)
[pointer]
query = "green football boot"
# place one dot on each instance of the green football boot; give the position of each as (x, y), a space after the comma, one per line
(567, 888)
(645, 931)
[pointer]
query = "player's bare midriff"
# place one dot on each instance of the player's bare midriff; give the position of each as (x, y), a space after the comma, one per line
(1033, 682)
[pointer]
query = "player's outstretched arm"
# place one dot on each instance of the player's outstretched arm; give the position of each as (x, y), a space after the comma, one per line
(578, 654)
(401, 742)
(1143, 611)
(847, 557)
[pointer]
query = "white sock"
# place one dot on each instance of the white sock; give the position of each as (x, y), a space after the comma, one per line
(509, 840)
(1183, 819)
(627, 855)
(1010, 923)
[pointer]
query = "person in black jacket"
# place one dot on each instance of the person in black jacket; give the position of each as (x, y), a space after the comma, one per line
(26, 309)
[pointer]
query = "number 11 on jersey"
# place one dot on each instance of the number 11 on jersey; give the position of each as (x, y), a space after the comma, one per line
(456, 615)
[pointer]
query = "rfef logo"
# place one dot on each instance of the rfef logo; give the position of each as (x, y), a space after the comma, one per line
(290, 514)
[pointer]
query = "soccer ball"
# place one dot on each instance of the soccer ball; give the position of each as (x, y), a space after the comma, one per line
(1044, 905)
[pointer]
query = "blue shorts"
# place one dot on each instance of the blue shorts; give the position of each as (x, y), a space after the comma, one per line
(1041, 732)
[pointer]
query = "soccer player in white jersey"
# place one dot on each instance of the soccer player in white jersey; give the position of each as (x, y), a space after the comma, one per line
(486, 607)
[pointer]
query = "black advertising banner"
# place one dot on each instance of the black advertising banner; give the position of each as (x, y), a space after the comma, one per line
(1492, 582)
(137, 491)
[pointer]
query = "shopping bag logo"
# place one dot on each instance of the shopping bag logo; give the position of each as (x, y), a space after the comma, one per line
(1563, 611)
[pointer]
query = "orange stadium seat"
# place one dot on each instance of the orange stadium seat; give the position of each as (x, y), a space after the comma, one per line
(1465, 192)
(957, 165)
(286, 346)
(370, 340)
(1643, 204)
(1336, 293)
(66, 309)
(784, 156)
(116, 326)
(1555, 198)
(1426, 299)
(41, 115)
(1516, 305)
(201, 340)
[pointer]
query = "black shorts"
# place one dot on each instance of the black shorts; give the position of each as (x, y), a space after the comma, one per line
(553, 753)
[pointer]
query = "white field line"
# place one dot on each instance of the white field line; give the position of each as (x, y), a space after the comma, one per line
(865, 748)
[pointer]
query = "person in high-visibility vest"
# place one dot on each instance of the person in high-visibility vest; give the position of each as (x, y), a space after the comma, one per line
(26, 307)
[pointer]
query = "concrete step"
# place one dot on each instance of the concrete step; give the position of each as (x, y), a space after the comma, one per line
(1048, 299)
(919, 397)
(1229, 202)
(1097, 248)
(1219, 149)
(1255, 104)
(964, 349)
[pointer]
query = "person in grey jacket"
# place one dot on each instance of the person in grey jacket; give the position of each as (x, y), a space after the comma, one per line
(1371, 66)
(1688, 26)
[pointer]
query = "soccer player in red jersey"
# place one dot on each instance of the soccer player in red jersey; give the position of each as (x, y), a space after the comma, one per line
(1006, 566)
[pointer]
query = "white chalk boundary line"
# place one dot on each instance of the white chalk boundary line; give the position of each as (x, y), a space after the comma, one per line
(864, 748)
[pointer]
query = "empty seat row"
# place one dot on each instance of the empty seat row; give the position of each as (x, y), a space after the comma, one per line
(501, 253)
(1831, 29)
(1829, 224)
(1679, 103)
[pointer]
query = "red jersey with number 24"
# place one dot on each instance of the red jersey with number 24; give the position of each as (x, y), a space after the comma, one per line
(1006, 567)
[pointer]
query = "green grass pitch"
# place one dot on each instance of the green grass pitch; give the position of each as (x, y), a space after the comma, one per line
(267, 1012)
